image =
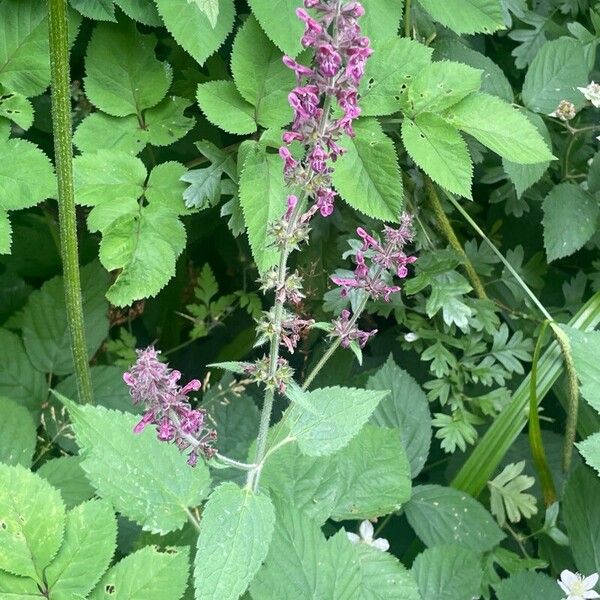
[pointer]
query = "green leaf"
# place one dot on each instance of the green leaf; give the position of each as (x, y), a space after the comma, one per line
(493, 80)
(193, 30)
(100, 10)
(590, 450)
(17, 108)
(103, 132)
(367, 176)
(45, 326)
(568, 203)
(18, 588)
(263, 198)
(166, 122)
(145, 479)
(466, 16)
(528, 585)
(140, 10)
(374, 475)
(224, 107)
(5, 233)
(19, 380)
(507, 497)
(384, 577)
(148, 574)
(210, 8)
(332, 417)
(394, 63)
(441, 515)
(24, 63)
(440, 85)
(32, 521)
(123, 76)
(260, 75)
(65, 474)
(582, 518)
(107, 174)
(406, 409)
(89, 543)
(381, 19)
(554, 75)
(500, 127)
(235, 533)
(448, 572)
(440, 150)
(279, 21)
(164, 186)
(17, 434)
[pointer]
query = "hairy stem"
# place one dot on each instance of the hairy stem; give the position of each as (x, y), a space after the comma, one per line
(446, 228)
(407, 20)
(62, 128)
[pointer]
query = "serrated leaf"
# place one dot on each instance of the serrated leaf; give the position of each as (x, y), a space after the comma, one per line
(440, 150)
(89, 543)
(440, 85)
(224, 107)
(164, 186)
(507, 497)
(260, 75)
(263, 198)
(590, 450)
(500, 127)
(235, 534)
(531, 40)
(32, 521)
(17, 108)
(381, 19)
(100, 10)
(123, 76)
(444, 515)
(279, 21)
(509, 351)
(5, 233)
(45, 325)
(448, 572)
(17, 434)
(554, 75)
(528, 585)
(405, 409)
(148, 574)
(166, 122)
(367, 176)
(65, 474)
(374, 475)
(103, 132)
(145, 479)
(570, 220)
(337, 414)
(210, 8)
(394, 63)
(466, 16)
(19, 380)
(193, 30)
(140, 10)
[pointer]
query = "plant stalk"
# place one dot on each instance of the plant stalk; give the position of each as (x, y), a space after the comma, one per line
(67, 218)
(407, 19)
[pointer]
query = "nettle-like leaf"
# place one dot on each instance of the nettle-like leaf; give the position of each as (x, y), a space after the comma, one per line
(210, 8)
(394, 63)
(148, 574)
(65, 474)
(500, 127)
(441, 515)
(448, 572)
(466, 16)
(100, 10)
(528, 585)
(45, 326)
(439, 149)
(16, 108)
(140, 10)
(554, 75)
(123, 76)
(192, 28)
(367, 175)
(145, 479)
(32, 517)
(224, 107)
(89, 543)
(405, 409)
(508, 499)
(571, 218)
(262, 196)
(330, 417)
(235, 533)
(17, 434)
(26, 178)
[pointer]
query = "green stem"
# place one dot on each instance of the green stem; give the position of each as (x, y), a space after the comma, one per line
(63, 148)
(535, 432)
(446, 227)
(407, 20)
(499, 254)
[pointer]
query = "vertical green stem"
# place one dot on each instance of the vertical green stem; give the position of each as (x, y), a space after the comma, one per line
(446, 227)
(407, 23)
(61, 123)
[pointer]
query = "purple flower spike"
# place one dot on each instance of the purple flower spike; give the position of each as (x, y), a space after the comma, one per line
(155, 385)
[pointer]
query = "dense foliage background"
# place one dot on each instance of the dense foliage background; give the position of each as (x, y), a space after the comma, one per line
(178, 108)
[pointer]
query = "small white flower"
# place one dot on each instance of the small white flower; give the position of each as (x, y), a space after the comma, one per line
(578, 587)
(366, 537)
(411, 337)
(592, 93)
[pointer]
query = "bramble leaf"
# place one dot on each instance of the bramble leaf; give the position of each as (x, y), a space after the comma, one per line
(466, 16)
(17, 434)
(224, 107)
